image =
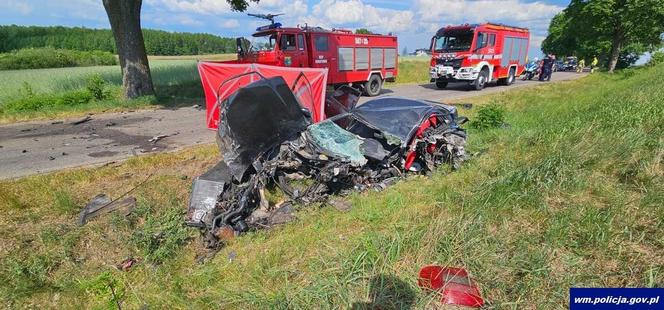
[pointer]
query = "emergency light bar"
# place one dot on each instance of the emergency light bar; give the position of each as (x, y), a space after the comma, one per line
(268, 27)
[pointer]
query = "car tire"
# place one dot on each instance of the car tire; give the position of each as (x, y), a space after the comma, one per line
(511, 77)
(481, 80)
(373, 86)
(441, 84)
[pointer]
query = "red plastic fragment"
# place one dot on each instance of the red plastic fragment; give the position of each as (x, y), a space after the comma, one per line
(453, 284)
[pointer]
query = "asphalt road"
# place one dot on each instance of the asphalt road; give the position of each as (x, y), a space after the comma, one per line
(37, 147)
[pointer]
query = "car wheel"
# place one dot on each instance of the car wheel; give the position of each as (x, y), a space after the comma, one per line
(481, 80)
(441, 84)
(511, 77)
(373, 86)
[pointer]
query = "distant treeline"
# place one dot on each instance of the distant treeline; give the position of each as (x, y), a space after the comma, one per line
(157, 42)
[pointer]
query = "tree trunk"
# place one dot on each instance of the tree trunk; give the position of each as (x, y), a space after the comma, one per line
(616, 45)
(125, 18)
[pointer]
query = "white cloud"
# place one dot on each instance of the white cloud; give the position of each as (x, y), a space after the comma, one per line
(206, 7)
(75, 10)
(453, 11)
(16, 6)
(187, 20)
(230, 23)
(355, 13)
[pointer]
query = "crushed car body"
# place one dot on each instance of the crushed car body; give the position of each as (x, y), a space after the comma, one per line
(268, 141)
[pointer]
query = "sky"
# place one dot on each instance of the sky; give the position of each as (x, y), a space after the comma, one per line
(414, 22)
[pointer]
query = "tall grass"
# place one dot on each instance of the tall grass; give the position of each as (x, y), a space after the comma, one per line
(569, 194)
(176, 83)
(56, 80)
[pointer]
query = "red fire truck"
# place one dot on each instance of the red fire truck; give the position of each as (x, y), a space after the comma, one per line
(478, 54)
(361, 60)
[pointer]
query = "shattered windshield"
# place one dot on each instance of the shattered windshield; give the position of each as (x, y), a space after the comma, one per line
(453, 41)
(263, 42)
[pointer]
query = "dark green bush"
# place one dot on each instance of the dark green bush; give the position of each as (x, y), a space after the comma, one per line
(656, 59)
(489, 116)
(96, 85)
(35, 58)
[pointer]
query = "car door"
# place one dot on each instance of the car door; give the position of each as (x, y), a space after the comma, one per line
(323, 56)
(288, 46)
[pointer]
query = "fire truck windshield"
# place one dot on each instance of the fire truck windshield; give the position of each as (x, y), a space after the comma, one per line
(453, 41)
(263, 42)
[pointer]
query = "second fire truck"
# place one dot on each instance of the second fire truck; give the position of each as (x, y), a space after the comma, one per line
(478, 54)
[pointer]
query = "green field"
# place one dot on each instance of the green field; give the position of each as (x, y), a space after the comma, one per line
(412, 70)
(175, 78)
(569, 193)
(176, 81)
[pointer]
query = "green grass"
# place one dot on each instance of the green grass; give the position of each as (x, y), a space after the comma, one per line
(176, 81)
(569, 194)
(412, 70)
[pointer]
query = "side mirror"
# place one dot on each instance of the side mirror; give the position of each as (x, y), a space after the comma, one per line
(239, 43)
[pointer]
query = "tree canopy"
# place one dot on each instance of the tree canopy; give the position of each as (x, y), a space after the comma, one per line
(363, 31)
(615, 31)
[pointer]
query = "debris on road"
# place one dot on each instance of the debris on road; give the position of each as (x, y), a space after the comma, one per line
(466, 106)
(83, 120)
(156, 139)
(102, 204)
(126, 264)
(453, 284)
(269, 141)
(231, 256)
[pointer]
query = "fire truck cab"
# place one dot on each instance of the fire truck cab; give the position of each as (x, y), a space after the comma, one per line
(361, 60)
(478, 54)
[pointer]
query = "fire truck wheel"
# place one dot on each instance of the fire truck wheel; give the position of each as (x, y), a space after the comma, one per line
(373, 85)
(481, 80)
(441, 84)
(511, 77)
(508, 80)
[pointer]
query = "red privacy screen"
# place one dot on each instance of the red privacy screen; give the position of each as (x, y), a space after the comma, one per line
(221, 79)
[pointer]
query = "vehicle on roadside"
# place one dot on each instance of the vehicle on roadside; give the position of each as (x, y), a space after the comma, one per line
(531, 69)
(478, 54)
(571, 63)
(270, 138)
(364, 61)
(558, 65)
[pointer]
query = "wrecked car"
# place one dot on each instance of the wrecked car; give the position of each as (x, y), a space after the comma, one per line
(268, 140)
